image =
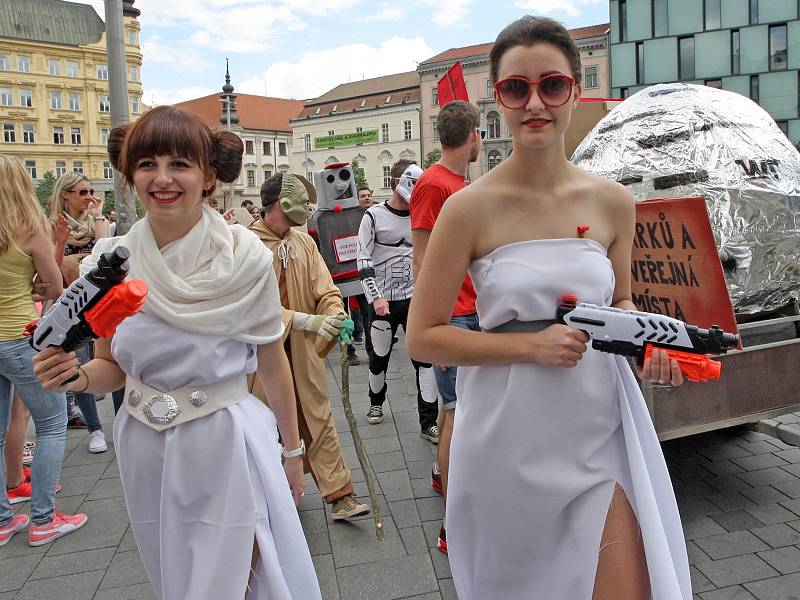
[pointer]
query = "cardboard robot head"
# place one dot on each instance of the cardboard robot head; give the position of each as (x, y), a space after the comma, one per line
(407, 181)
(335, 186)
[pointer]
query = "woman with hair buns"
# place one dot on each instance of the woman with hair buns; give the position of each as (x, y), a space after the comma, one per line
(209, 502)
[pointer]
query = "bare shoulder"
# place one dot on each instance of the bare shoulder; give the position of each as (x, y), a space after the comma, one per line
(613, 195)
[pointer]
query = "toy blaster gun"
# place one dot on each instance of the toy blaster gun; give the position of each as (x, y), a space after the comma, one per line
(633, 333)
(93, 306)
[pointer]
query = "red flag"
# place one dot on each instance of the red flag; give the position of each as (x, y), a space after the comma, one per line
(452, 86)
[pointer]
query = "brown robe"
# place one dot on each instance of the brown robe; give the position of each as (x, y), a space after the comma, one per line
(306, 286)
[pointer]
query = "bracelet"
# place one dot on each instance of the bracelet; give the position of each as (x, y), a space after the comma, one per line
(86, 375)
(96, 219)
(297, 452)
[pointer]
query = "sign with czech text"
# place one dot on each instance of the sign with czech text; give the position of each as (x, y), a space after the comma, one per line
(675, 266)
(346, 139)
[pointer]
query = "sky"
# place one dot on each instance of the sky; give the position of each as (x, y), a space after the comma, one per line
(303, 48)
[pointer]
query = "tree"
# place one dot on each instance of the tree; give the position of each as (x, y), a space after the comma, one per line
(432, 157)
(108, 202)
(359, 175)
(44, 190)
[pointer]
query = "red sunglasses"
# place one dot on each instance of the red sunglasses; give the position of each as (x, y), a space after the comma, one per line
(554, 90)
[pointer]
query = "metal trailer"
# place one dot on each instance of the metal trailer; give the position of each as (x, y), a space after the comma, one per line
(758, 383)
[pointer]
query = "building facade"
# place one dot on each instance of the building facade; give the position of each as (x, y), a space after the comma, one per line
(374, 122)
(751, 47)
(54, 95)
(593, 45)
(263, 125)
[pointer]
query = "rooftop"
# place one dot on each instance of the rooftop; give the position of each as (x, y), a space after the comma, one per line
(255, 112)
(50, 21)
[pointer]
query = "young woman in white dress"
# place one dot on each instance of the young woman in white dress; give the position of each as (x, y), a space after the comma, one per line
(209, 502)
(558, 488)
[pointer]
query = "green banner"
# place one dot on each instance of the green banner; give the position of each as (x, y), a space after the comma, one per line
(346, 139)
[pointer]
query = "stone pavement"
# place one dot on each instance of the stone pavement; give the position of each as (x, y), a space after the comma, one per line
(739, 494)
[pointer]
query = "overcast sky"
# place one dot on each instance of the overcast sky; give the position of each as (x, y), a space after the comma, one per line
(302, 48)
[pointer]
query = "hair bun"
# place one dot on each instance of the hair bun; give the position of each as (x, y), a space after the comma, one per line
(226, 155)
(116, 139)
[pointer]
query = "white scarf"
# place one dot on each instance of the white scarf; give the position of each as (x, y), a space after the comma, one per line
(217, 279)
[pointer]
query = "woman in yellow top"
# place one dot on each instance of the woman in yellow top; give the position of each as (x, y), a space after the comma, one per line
(26, 249)
(74, 200)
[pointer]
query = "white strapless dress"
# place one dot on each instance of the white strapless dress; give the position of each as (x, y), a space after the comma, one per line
(537, 450)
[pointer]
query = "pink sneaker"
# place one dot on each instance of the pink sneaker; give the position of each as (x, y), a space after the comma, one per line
(60, 524)
(21, 493)
(16, 524)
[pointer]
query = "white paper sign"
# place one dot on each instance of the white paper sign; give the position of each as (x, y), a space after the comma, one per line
(346, 248)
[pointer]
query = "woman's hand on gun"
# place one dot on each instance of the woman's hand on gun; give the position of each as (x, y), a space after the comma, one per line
(559, 346)
(54, 367)
(661, 369)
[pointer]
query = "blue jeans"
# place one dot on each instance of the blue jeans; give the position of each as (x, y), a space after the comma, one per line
(446, 379)
(48, 410)
(87, 402)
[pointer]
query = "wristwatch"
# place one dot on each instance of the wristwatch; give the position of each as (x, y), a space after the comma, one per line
(96, 219)
(301, 451)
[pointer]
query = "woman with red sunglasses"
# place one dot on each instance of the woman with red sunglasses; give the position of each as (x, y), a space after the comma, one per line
(558, 488)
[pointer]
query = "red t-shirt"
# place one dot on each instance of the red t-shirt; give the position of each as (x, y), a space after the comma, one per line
(434, 187)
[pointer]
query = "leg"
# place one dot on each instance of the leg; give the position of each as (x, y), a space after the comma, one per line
(381, 331)
(365, 310)
(443, 452)
(15, 441)
(87, 402)
(622, 567)
(5, 408)
(118, 396)
(427, 399)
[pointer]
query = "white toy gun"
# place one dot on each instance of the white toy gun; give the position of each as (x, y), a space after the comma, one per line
(93, 306)
(637, 334)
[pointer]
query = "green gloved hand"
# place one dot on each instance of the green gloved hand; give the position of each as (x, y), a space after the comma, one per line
(346, 332)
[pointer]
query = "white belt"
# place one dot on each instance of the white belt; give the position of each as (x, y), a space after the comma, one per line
(162, 410)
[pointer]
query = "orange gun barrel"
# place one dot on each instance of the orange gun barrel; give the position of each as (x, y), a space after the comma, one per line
(695, 367)
(119, 303)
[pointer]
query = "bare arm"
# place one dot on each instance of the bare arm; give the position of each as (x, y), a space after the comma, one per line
(419, 241)
(100, 375)
(49, 281)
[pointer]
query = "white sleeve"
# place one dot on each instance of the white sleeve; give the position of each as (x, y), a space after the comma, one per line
(366, 268)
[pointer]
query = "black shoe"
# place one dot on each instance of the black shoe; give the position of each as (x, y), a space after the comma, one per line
(375, 415)
(431, 434)
(352, 358)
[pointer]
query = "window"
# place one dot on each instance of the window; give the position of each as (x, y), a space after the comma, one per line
(108, 172)
(6, 97)
(136, 107)
(434, 96)
(133, 73)
(55, 100)
(359, 129)
(388, 100)
(407, 130)
(75, 135)
(639, 62)
(660, 18)
(435, 132)
(23, 64)
(26, 98)
(267, 146)
(754, 88)
(753, 12)
(363, 103)
(72, 69)
(74, 101)
(9, 133)
(30, 165)
(54, 66)
(104, 131)
(489, 88)
(330, 132)
(102, 72)
(735, 60)
(251, 178)
(714, 83)
(58, 135)
(623, 21)
(335, 107)
(384, 132)
(783, 126)
(494, 159)
(61, 168)
(493, 125)
(132, 37)
(268, 174)
(5, 62)
(281, 148)
(248, 147)
(105, 106)
(624, 92)
(712, 14)
(686, 58)
(77, 166)
(28, 135)
(590, 77)
(777, 47)
(386, 170)
(310, 175)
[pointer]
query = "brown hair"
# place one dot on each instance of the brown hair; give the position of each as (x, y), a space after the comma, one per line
(398, 168)
(271, 190)
(530, 30)
(166, 130)
(455, 122)
(363, 187)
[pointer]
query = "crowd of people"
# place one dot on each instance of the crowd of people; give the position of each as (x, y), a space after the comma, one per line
(554, 481)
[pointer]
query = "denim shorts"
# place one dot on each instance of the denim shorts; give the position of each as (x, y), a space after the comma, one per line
(446, 378)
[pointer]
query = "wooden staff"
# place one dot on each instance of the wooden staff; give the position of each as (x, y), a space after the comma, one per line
(362, 456)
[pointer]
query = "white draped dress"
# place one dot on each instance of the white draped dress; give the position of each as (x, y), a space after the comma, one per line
(198, 494)
(537, 450)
